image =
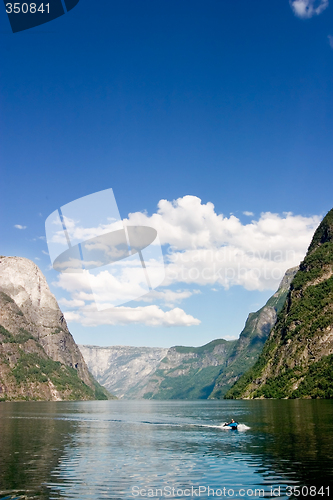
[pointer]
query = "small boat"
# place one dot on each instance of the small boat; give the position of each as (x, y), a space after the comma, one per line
(232, 425)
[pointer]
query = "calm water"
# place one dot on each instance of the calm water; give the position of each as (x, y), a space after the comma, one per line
(114, 449)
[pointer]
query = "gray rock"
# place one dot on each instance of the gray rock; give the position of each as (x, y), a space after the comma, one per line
(122, 370)
(25, 284)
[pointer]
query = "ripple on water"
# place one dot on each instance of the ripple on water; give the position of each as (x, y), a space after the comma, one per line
(85, 451)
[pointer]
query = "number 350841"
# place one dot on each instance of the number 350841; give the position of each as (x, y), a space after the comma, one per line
(27, 8)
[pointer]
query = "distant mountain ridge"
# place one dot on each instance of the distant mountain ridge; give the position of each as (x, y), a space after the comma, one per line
(297, 359)
(38, 356)
(123, 370)
(185, 372)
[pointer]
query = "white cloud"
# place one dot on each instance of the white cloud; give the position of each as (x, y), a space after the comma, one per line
(107, 286)
(77, 232)
(18, 226)
(109, 290)
(208, 248)
(330, 40)
(45, 253)
(202, 248)
(169, 297)
(148, 315)
(248, 214)
(308, 8)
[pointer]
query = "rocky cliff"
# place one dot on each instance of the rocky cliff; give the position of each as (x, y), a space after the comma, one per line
(185, 372)
(297, 359)
(38, 356)
(253, 337)
(123, 370)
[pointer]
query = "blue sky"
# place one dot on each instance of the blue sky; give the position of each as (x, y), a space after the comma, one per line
(230, 103)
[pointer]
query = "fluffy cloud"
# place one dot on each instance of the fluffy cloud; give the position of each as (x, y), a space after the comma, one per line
(208, 248)
(96, 308)
(248, 214)
(148, 315)
(188, 224)
(202, 248)
(18, 226)
(308, 8)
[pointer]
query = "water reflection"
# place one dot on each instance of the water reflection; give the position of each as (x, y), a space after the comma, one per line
(32, 442)
(95, 450)
(298, 438)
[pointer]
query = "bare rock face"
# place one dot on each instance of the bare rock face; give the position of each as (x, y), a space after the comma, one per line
(123, 370)
(39, 313)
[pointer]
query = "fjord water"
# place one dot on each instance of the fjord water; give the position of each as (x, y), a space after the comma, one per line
(113, 449)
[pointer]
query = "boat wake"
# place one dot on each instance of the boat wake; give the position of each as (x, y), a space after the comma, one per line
(241, 427)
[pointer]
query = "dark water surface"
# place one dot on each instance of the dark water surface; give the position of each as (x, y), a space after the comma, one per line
(144, 449)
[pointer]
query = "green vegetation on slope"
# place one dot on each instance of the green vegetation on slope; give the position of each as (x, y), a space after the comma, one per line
(252, 339)
(100, 393)
(197, 384)
(324, 232)
(189, 372)
(34, 368)
(295, 361)
(20, 338)
(316, 382)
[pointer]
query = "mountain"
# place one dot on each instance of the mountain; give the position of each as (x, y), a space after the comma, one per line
(209, 371)
(185, 372)
(253, 337)
(122, 370)
(189, 372)
(38, 356)
(297, 359)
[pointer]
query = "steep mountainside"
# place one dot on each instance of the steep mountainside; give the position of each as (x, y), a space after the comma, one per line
(297, 359)
(209, 371)
(185, 372)
(122, 370)
(188, 372)
(38, 356)
(251, 340)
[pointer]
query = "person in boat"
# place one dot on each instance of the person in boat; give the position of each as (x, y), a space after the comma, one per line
(232, 424)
